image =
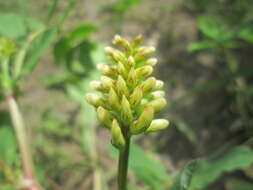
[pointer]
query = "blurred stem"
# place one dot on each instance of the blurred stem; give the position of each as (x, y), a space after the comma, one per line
(21, 136)
(5, 74)
(123, 166)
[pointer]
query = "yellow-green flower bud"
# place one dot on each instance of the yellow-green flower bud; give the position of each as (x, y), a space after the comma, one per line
(106, 69)
(96, 85)
(113, 99)
(7, 47)
(121, 86)
(151, 62)
(144, 71)
(157, 124)
(131, 61)
(117, 137)
(143, 122)
(122, 70)
(118, 40)
(144, 51)
(132, 79)
(158, 85)
(136, 97)
(93, 99)
(116, 55)
(149, 84)
(104, 117)
(126, 112)
(107, 82)
(158, 104)
(137, 40)
(157, 94)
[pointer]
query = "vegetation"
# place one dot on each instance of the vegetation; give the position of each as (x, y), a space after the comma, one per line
(49, 134)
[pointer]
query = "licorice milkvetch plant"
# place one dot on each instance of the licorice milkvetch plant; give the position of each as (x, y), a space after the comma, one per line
(129, 97)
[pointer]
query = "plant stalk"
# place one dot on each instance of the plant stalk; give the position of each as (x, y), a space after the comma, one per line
(22, 141)
(123, 166)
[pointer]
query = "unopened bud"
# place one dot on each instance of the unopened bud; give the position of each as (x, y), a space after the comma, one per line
(7, 47)
(158, 104)
(136, 97)
(131, 79)
(107, 82)
(144, 71)
(158, 85)
(116, 55)
(96, 85)
(104, 117)
(118, 40)
(117, 137)
(121, 69)
(157, 124)
(93, 99)
(126, 112)
(151, 62)
(149, 84)
(113, 99)
(106, 69)
(144, 51)
(131, 61)
(158, 94)
(143, 122)
(121, 86)
(137, 40)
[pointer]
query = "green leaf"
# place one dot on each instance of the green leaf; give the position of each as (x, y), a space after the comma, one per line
(82, 31)
(208, 170)
(187, 173)
(201, 45)
(8, 147)
(209, 27)
(16, 26)
(246, 33)
(7, 187)
(37, 49)
(235, 184)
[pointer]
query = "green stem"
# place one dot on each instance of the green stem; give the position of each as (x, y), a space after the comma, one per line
(123, 166)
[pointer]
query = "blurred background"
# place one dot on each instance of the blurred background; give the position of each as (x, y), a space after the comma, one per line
(205, 53)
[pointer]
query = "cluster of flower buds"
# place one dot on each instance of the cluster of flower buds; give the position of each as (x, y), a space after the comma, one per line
(7, 47)
(129, 96)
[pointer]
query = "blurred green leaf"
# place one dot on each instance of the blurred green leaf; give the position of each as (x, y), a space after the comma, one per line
(209, 27)
(16, 26)
(208, 170)
(237, 184)
(182, 179)
(8, 147)
(187, 173)
(246, 33)
(7, 187)
(200, 45)
(38, 47)
(123, 5)
(82, 31)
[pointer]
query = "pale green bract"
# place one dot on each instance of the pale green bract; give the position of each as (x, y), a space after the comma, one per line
(129, 96)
